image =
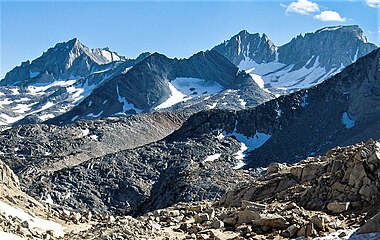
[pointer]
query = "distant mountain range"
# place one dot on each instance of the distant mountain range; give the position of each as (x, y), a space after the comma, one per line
(149, 161)
(70, 81)
(341, 111)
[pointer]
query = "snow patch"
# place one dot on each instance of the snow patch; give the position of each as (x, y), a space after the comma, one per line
(212, 158)
(304, 101)
(85, 132)
(33, 74)
(74, 118)
(281, 76)
(38, 89)
(250, 142)
(351, 234)
(212, 106)
(242, 102)
(94, 137)
(10, 236)
(126, 105)
(257, 79)
(35, 223)
(240, 155)
(5, 101)
(279, 112)
(48, 199)
(175, 97)
(356, 55)
(183, 89)
(9, 119)
(347, 121)
(46, 116)
(15, 91)
(21, 108)
(330, 28)
(44, 107)
(94, 115)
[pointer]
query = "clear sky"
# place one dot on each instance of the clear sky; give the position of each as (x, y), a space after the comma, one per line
(174, 28)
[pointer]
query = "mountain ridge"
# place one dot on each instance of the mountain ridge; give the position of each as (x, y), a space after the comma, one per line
(303, 62)
(153, 79)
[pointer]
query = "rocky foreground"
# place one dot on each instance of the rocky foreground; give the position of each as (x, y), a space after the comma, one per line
(336, 195)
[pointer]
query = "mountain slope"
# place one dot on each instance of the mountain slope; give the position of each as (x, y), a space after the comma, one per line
(56, 81)
(340, 111)
(205, 80)
(303, 62)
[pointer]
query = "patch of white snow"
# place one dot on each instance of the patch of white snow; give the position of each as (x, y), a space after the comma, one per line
(85, 132)
(94, 115)
(33, 74)
(126, 105)
(258, 80)
(212, 158)
(35, 223)
(347, 121)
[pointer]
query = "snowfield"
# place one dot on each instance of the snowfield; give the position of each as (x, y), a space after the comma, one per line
(35, 223)
(280, 76)
(183, 89)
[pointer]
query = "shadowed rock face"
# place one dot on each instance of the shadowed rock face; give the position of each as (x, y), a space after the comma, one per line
(336, 112)
(147, 85)
(333, 45)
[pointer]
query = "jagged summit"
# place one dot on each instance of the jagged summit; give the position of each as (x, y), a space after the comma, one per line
(301, 63)
(245, 45)
(66, 60)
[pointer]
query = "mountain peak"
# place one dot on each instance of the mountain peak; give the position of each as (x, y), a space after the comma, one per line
(243, 32)
(70, 44)
(245, 45)
(349, 30)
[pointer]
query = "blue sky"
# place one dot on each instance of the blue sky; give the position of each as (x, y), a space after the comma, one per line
(174, 28)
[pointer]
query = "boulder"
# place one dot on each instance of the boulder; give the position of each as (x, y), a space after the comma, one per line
(310, 231)
(372, 225)
(320, 221)
(375, 157)
(357, 175)
(247, 216)
(338, 207)
(292, 230)
(201, 217)
(230, 221)
(211, 213)
(271, 220)
(296, 171)
(274, 168)
(369, 191)
(216, 224)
